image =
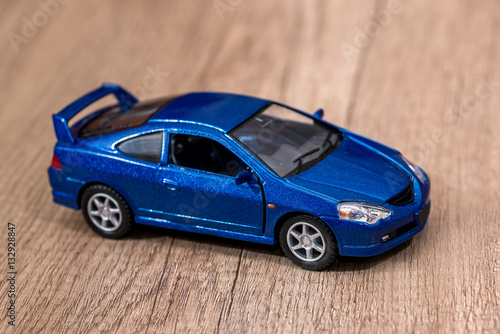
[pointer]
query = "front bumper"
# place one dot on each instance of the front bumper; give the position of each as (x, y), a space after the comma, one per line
(363, 240)
(409, 229)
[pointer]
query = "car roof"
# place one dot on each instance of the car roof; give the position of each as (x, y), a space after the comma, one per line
(222, 111)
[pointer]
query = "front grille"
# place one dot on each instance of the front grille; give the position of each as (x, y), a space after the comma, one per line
(405, 197)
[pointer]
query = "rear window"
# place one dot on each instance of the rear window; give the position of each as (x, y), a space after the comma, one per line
(116, 119)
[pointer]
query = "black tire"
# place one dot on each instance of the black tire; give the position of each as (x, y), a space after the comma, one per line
(113, 220)
(306, 253)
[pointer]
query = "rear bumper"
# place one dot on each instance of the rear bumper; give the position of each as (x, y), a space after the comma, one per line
(64, 199)
(64, 190)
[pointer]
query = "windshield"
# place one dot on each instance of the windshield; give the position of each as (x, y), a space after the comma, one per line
(285, 140)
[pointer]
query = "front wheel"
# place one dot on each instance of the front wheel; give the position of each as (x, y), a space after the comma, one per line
(106, 212)
(308, 242)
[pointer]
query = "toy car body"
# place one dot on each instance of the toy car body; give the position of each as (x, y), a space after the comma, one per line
(238, 167)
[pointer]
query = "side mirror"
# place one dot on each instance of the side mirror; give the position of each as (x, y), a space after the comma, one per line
(245, 177)
(319, 114)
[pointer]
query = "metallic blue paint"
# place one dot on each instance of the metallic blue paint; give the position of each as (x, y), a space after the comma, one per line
(61, 119)
(218, 110)
(364, 171)
(180, 198)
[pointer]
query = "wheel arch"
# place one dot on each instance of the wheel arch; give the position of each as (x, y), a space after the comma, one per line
(96, 183)
(292, 214)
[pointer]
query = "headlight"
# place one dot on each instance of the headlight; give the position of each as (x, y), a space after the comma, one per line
(415, 169)
(362, 212)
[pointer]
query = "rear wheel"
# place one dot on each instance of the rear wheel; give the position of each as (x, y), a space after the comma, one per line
(106, 212)
(308, 242)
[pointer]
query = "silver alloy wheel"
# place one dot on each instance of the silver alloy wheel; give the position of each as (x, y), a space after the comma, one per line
(306, 242)
(104, 212)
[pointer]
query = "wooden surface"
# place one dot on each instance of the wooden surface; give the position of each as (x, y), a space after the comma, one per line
(425, 80)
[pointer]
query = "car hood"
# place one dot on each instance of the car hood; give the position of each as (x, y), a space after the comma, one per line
(356, 170)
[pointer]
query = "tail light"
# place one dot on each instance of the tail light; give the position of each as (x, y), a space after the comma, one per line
(56, 164)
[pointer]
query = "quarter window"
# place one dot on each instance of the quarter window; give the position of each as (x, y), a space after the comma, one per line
(203, 154)
(145, 147)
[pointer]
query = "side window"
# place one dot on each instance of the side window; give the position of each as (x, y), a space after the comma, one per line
(203, 154)
(144, 147)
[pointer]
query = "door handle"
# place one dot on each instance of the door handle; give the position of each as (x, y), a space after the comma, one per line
(171, 185)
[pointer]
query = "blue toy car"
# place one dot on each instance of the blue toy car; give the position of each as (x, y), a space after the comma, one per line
(238, 167)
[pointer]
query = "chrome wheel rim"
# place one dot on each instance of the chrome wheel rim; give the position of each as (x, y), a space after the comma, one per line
(306, 242)
(104, 212)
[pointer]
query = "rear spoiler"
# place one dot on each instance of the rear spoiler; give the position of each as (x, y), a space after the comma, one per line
(61, 119)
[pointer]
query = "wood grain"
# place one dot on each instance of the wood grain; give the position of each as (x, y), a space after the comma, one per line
(425, 79)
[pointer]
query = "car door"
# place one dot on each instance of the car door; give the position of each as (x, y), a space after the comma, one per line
(197, 187)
